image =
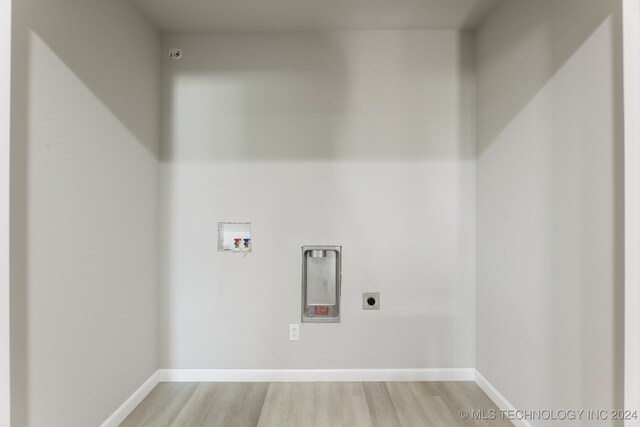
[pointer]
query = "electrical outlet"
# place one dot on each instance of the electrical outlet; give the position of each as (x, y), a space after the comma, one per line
(371, 301)
(294, 332)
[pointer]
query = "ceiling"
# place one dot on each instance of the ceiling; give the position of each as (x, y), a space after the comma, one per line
(286, 15)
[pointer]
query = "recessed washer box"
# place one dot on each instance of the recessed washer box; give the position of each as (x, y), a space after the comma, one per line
(234, 237)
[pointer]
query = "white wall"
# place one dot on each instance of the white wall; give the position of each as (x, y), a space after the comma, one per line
(359, 139)
(631, 24)
(85, 132)
(5, 106)
(550, 203)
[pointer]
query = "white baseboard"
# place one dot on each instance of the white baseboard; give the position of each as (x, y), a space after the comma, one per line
(304, 375)
(130, 404)
(280, 375)
(497, 397)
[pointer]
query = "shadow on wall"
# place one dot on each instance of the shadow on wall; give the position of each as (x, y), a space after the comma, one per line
(527, 54)
(114, 131)
(93, 39)
(550, 155)
(330, 136)
(318, 95)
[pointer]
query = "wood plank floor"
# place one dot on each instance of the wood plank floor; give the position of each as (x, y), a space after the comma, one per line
(320, 404)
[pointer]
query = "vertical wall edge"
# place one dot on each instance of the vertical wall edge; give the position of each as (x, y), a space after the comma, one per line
(5, 89)
(631, 25)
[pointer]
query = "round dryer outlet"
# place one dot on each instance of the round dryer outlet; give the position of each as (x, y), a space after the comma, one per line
(371, 301)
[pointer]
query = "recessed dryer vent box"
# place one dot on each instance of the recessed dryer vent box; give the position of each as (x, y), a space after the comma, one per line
(321, 282)
(234, 237)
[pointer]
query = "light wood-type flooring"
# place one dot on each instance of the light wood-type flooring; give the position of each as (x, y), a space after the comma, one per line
(330, 404)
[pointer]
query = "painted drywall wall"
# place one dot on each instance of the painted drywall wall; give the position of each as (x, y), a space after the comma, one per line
(631, 31)
(550, 204)
(5, 108)
(360, 139)
(85, 132)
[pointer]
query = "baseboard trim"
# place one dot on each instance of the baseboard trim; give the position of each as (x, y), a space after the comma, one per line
(497, 397)
(305, 375)
(130, 404)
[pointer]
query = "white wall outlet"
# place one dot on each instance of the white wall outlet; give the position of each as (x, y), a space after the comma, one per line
(294, 332)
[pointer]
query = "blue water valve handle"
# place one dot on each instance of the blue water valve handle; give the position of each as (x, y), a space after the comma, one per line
(246, 242)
